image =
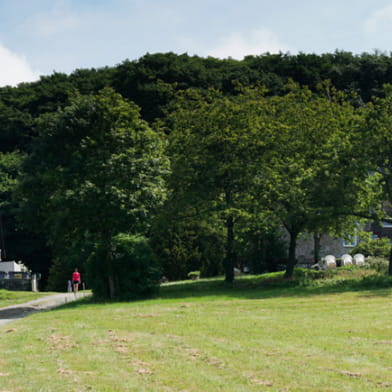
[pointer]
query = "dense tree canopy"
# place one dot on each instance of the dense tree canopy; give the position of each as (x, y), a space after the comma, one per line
(244, 159)
(376, 138)
(96, 170)
(312, 180)
(216, 146)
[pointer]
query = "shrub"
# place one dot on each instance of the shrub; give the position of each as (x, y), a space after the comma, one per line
(369, 246)
(310, 274)
(380, 264)
(133, 268)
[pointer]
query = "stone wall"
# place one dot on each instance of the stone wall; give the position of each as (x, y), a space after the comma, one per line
(328, 246)
(16, 284)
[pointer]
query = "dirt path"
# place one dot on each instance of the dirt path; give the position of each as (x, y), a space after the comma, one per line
(15, 312)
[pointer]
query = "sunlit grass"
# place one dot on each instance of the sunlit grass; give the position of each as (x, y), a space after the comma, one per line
(8, 298)
(260, 334)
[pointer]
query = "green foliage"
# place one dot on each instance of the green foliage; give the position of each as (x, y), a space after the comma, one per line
(59, 275)
(18, 243)
(10, 166)
(379, 264)
(75, 255)
(134, 269)
(152, 80)
(368, 246)
(303, 274)
(377, 141)
(98, 165)
(216, 144)
(186, 243)
(15, 128)
(306, 167)
(96, 169)
(260, 245)
(284, 155)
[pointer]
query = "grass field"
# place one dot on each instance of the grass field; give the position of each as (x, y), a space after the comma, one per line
(8, 298)
(261, 334)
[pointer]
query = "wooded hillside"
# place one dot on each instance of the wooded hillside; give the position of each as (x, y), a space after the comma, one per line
(205, 158)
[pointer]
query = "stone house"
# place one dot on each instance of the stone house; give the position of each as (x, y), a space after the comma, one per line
(337, 246)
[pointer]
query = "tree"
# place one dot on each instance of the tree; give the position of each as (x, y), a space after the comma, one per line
(216, 146)
(138, 270)
(311, 180)
(376, 143)
(186, 240)
(15, 129)
(96, 170)
(10, 164)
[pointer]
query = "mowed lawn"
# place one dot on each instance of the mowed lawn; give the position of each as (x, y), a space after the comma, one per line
(196, 338)
(9, 298)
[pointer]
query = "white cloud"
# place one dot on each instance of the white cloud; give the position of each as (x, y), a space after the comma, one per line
(380, 21)
(54, 20)
(56, 24)
(14, 69)
(238, 45)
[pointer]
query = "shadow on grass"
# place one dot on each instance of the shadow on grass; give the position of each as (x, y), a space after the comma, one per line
(261, 287)
(75, 304)
(264, 287)
(16, 313)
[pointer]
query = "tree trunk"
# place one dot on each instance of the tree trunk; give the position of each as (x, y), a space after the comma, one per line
(106, 239)
(263, 256)
(112, 290)
(317, 246)
(3, 255)
(292, 260)
(230, 256)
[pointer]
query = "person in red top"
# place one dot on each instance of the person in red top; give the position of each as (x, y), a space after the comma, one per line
(75, 280)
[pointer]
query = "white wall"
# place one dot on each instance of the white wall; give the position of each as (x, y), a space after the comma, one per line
(11, 266)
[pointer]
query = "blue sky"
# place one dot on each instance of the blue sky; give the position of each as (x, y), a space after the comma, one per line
(38, 37)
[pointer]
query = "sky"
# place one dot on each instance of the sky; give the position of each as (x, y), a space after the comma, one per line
(39, 37)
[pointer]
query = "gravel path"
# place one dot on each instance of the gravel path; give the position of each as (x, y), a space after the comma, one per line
(15, 312)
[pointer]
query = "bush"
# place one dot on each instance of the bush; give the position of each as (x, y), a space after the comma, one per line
(310, 274)
(133, 270)
(379, 264)
(369, 246)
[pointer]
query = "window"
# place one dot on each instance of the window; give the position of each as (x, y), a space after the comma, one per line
(350, 241)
